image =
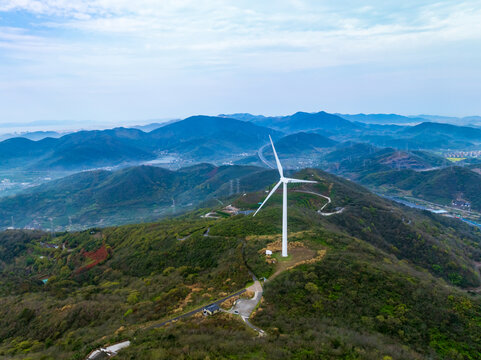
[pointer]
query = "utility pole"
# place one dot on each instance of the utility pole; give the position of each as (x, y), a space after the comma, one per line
(51, 227)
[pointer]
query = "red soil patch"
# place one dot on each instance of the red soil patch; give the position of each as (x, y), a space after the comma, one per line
(213, 172)
(96, 257)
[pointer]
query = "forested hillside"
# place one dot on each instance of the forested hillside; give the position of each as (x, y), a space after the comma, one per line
(101, 198)
(393, 283)
(440, 186)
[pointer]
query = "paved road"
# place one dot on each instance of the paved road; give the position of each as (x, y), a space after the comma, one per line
(322, 208)
(190, 313)
(206, 233)
(260, 153)
(245, 307)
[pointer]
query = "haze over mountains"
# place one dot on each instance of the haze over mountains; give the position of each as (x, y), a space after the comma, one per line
(349, 147)
(215, 139)
(200, 137)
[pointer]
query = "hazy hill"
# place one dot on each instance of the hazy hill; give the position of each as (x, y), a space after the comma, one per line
(349, 150)
(302, 142)
(391, 284)
(33, 135)
(145, 192)
(427, 129)
(244, 117)
(220, 139)
(301, 121)
(154, 125)
(382, 118)
(210, 131)
(466, 121)
(377, 129)
(314, 121)
(360, 160)
(199, 137)
(83, 149)
(439, 186)
(86, 149)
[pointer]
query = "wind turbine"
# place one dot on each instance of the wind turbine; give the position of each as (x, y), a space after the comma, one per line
(284, 181)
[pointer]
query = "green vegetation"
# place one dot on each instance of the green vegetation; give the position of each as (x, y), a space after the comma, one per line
(357, 303)
(103, 198)
(439, 186)
(392, 284)
(360, 160)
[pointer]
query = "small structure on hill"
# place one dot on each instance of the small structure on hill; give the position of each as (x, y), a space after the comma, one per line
(232, 210)
(461, 204)
(268, 253)
(107, 352)
(211, 309)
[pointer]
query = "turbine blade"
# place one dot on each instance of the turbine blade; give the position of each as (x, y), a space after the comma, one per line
(268, 196)
(301, 181)
(279, 166)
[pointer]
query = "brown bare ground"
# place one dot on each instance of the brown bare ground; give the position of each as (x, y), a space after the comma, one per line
(193, 289)
(248, 294)
(229, 302)
(299, 256)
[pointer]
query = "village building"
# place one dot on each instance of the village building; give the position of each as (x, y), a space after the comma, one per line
(211, 309)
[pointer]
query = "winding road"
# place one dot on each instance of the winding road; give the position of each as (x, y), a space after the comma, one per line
(261, 156)
(323, 206)
(260, 153)
(193, 312)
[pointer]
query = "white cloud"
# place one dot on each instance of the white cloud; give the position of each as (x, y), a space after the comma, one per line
(111, 44)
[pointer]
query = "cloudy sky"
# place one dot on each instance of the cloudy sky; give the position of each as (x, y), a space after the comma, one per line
(114, 61)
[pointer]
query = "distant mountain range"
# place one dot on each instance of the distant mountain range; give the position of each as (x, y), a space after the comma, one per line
(431, 129)
(412, 119)
(300, 121)
(227, 139)
(386, 130)
(34, 135)
(199, 137)
(383, 119)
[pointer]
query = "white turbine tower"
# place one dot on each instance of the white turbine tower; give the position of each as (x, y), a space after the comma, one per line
(284, 181)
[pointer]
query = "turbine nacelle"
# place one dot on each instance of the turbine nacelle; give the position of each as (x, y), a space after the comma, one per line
(293, 181)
